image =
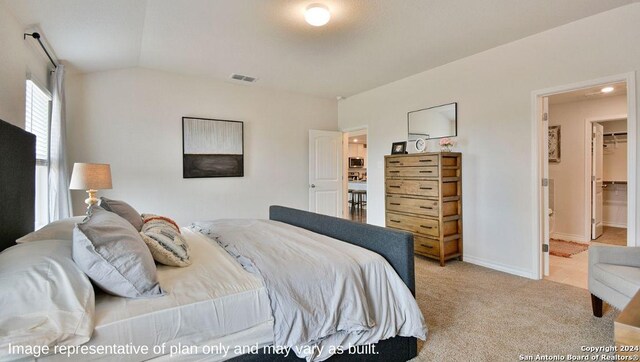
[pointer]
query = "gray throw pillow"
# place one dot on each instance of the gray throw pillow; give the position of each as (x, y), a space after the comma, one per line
(113, 255)
(124, 210)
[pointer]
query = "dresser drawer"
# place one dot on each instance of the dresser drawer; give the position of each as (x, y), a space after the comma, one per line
(412, 187)
(418, 171)
(424, 245)
(413, 224)
(412, 206)
(412, 160)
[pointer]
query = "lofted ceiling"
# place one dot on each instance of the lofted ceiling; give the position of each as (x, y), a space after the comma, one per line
(366, 44)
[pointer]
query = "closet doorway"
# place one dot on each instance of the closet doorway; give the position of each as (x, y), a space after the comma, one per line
(606, 179)
(586, 158)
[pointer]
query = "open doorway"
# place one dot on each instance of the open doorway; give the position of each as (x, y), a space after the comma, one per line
(587, 162)
(608, 180)
(356, 175)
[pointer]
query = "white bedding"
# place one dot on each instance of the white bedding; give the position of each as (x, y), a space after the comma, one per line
(325, 294)
(216, 301)
(212, 301)
(45, 299)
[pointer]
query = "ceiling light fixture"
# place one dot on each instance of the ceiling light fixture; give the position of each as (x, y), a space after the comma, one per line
(606, 90)
(355, 140)
(317, 14)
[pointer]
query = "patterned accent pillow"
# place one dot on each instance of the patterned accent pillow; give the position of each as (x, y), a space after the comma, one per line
(166, 243)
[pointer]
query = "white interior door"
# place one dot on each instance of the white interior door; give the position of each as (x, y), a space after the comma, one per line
(545, 183)
(325, 172)
(597, 146)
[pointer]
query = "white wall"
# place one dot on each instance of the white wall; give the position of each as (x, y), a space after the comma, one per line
(132, 119)
(568, 175)
(493, 90)
(18, 57)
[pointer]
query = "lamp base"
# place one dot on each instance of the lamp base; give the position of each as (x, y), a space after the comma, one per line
(92, 199)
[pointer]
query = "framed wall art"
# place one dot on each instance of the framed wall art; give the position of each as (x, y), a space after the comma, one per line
(554, 144)
(212, 148)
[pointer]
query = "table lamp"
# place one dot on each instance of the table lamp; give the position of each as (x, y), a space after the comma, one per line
(90, 177)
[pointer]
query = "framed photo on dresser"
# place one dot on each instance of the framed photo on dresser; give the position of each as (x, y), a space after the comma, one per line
(399, 148)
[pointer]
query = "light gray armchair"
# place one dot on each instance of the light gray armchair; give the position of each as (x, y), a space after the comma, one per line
(614, 276)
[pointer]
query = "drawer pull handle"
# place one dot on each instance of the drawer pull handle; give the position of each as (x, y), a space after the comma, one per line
(427, 246)
(394, 161)
(397, 221)
(395, 203)
(426, 161)
(423, 188)
(424, 207)
(427, 171)
(425, 226)
(395, 187)
(394, 171)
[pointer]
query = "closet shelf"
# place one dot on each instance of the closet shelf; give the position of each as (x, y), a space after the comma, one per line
(614, 138)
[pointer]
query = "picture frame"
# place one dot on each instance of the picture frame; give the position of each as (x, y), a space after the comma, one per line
(554, 144)
(399, 148)
(212, 148)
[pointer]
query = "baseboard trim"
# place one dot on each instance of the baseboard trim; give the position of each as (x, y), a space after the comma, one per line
(614, 225)
(568, 237)
(500, 267)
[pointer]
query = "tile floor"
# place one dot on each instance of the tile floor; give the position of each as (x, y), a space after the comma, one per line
(572, 271)
(575, 270)
(613, 236)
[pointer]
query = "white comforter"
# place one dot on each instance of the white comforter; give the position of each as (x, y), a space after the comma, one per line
(324, 293)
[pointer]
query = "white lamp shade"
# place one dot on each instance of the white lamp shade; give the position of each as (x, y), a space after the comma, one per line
(90, 176)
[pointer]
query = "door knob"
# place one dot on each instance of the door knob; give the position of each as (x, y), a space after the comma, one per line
(313, 186)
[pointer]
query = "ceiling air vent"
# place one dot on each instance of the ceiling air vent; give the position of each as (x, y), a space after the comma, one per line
(243, 78)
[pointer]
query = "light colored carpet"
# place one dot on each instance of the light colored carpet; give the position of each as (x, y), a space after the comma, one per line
(613, 236)
(478, 314)
(566, 248)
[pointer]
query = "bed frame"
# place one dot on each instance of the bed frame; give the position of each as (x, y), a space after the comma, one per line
(17, 213)
(395, 246)
(17, 183)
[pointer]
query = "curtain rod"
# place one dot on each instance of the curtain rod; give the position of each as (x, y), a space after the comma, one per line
(36, 36)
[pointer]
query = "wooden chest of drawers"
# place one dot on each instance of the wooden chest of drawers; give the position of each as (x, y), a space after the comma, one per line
(423, 194)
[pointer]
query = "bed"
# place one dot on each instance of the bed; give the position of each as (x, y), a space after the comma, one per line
(184, 317)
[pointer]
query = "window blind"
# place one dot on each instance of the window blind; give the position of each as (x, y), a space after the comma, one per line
(37, 120)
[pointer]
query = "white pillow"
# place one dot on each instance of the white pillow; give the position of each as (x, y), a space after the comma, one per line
(46, 299)
(57, 230)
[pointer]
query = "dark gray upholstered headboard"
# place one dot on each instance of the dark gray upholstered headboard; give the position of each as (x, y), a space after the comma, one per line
(395, 246)
(17, 183)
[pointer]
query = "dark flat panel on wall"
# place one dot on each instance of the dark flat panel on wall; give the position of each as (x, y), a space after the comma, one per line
(213, 166)
(212, 148)
(17, 183)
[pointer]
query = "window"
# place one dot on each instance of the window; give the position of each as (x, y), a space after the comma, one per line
(37, 113)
